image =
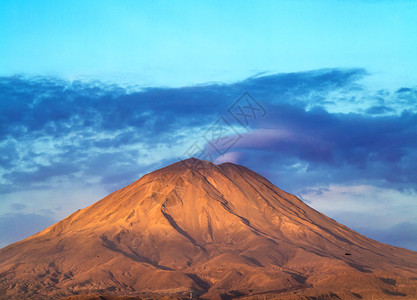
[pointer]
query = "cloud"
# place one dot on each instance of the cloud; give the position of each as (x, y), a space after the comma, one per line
(232, 157)
(69, 125)
(384, 214)
(18, 206)
(401, 235)
(379, 110)
(333, 148)
(55, 129)
(73, 127)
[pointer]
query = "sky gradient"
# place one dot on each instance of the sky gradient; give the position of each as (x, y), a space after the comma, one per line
(190, 42)
(93, 96)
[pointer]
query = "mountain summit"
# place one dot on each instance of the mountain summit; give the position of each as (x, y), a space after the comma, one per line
(203, 230)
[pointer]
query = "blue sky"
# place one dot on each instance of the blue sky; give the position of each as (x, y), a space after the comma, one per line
(187, 42)
(95, 94)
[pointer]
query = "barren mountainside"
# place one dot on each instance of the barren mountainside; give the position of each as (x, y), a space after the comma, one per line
(216, 231)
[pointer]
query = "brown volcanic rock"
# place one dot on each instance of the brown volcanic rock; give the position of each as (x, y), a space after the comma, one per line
(213, 230)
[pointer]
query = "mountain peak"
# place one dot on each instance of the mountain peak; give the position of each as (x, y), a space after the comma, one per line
(195, 163)
(192, 164)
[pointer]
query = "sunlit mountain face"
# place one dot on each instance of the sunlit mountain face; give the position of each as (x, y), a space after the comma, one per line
(212, 231)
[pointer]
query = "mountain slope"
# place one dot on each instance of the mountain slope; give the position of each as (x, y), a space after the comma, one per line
(213, 230)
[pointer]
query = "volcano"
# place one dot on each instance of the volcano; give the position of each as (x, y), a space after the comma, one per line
(200, 230)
